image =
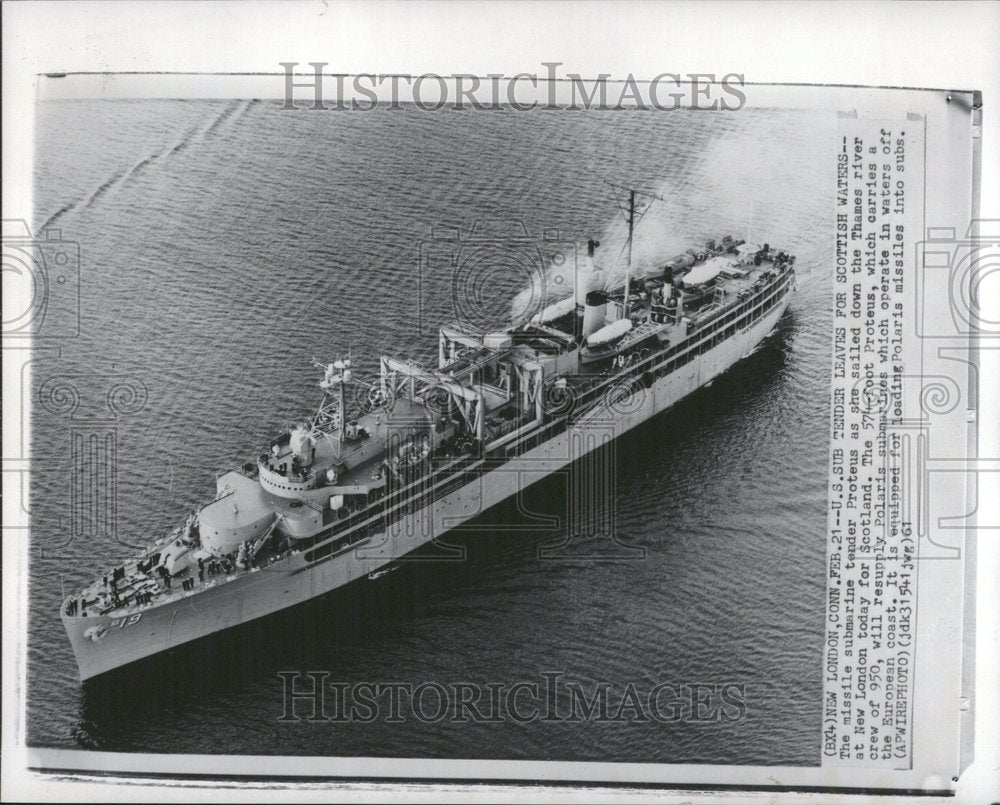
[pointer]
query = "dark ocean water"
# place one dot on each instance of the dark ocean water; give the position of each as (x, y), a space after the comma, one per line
(224, 244)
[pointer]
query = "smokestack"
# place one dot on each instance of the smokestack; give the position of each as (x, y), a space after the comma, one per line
(594, 312)
(588, 278)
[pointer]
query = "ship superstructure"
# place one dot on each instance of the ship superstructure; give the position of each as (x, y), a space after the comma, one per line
(381, 468)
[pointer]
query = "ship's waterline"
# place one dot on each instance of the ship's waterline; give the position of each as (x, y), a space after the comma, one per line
(636, 384)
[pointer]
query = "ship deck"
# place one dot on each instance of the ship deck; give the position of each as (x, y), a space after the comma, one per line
(141, 590)
(141, 587)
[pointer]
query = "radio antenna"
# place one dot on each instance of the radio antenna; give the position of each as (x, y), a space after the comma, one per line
(625, 196)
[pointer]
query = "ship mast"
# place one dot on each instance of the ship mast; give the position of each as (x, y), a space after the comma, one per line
(625, 196)
(337, 374)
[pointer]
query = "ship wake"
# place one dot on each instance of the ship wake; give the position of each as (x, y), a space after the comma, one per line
(229, 115)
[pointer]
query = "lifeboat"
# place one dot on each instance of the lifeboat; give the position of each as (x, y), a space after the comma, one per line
(555, 311)
(606, 342)
(609, 333)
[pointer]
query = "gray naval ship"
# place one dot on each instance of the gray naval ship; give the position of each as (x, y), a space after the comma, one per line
(380, 469)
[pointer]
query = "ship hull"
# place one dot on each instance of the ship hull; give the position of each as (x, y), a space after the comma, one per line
(102, 643)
